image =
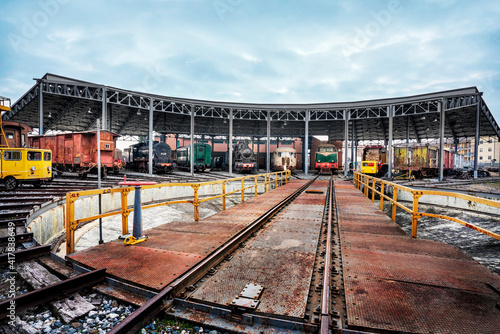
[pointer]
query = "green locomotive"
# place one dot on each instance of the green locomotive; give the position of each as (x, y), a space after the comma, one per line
(202, 157)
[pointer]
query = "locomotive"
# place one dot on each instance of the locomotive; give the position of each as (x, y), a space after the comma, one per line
(326, 158)
(18, 163)
(162, 158)
(243, 158)
(77, 151)
(284, 158)
(374, 160)
(202, 157)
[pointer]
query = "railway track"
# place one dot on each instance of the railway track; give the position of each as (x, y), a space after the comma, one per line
(320, 312)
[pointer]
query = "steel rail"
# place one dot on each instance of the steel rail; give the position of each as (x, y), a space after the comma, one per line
(155, 305)
(325, 298)
(52, 292)
(25, 254)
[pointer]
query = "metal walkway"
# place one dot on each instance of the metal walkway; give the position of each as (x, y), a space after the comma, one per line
(395, 283)
(173, 248)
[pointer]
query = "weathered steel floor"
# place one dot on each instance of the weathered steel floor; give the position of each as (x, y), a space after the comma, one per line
(280, 258)
(395, 283)
(172, 249)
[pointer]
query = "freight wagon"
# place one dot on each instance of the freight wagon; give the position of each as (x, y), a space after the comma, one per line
(421, 160)
(77, 151)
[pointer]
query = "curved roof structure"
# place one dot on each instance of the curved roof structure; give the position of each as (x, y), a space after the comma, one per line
(74, 105)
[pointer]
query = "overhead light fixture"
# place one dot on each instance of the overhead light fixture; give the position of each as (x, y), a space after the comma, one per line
(427, 129)
(423, 117)
(89, 111)
(435, 119)
(284, 123)
(50, 115)
(225, 121)
(138, 111)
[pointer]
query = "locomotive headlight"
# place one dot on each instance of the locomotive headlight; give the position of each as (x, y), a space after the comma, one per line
(49, 168)
(33, 168)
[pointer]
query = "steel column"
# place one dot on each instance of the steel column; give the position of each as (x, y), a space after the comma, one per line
(353, 140)
(191, 164)
(346, 148)
(104, 109)
(230, 141)
(40, 115)
(268, 145)
(390, 111)
(441, 138)
(306, 140)
(476, 142)
(150, 151)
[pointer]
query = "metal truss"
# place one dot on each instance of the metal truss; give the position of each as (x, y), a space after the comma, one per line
(292, 115)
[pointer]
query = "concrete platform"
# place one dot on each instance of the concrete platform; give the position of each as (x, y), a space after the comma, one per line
(174, 248)
(395, 283)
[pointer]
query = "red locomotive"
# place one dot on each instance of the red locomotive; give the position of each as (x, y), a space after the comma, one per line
(15, 133)
(77, 151)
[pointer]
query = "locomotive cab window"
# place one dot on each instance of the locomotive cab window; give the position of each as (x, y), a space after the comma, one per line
(12, 155)
(34, 156)
(9, 135)
(107, 146)
(47, 156)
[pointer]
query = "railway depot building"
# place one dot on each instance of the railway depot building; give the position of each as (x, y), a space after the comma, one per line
(57, 103)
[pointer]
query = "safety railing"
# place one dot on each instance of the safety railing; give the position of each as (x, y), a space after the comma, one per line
(369, 184)
(85, 201)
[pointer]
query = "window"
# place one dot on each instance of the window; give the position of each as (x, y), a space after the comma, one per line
(107, 146)
(34, 156)
(480, 158)
(47, 156)
(9, 135)
(481, 149)
(489, 157)
(12, 155)
(489, 149)
(481, 142)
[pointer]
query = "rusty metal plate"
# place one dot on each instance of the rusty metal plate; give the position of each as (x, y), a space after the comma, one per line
(153, 268)
(310, 201)
(199, 227)
(370, 228)
(296, 236)
(390, 243)
(195, 243)
(415, 268)
(285, 276)
(414, 308)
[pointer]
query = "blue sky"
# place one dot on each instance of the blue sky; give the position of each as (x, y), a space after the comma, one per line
(256, 51)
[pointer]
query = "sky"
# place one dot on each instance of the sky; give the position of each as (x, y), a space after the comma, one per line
(287, 51)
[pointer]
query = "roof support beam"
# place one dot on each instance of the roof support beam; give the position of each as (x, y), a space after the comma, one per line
(150, 136)
(191, 164)
(415, 129)
(230, 141)
(442, 116)
(40, 109)
(390, 111)
(306, 140)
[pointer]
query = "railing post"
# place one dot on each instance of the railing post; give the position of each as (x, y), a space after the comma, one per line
(70, 217)
(382, 184)
(242, 190)
(255, 182)
(265, 183)
(367, 181)
(224, 195)
(196, 202)
(373, 190)
(394, 206)
(275, 180)
(125, 211)
(415, 215)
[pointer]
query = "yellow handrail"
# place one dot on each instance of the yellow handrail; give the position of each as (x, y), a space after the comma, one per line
(362, 181)
(71, 223)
